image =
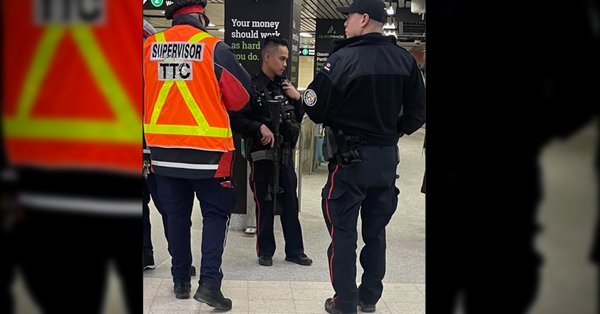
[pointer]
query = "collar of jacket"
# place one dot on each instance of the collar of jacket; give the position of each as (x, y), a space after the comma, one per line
(186, 19)
(266, 79)
(362, 40)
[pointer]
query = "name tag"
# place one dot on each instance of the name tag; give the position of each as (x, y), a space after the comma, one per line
(177, 51)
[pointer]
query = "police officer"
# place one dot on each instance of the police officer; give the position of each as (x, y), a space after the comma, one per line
(273, 96)
(191, 80)
(368, 94)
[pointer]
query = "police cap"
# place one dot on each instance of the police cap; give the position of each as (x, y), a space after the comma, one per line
(374, 8)
(185, 7)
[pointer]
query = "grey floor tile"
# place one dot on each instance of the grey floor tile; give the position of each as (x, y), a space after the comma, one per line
(304, 285)
(399, 287)
(166, 289)
(234, 284)
(235, 293)
(171, 303)
(149, 281)
(313, 295)
(270, 294)
(268, 285)
(421, 288)
(271, 306)
(172, 312)
(148, 303)
(150, 290)
(406, 308)
(238, 306)
(403, 296)
(310, 306)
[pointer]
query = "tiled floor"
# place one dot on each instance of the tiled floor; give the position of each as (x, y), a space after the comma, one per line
(276, 297)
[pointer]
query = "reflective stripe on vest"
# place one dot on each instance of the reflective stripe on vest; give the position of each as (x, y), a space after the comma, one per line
(81, 205)
(203, 128)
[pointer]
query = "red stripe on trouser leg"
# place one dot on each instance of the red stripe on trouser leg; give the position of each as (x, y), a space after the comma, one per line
(331, 259)
(331, 223)
(257, 212)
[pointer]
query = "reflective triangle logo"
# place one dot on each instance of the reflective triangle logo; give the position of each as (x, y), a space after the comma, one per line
(124, 128)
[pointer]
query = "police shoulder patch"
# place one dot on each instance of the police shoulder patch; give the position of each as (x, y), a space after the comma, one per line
(310, 97)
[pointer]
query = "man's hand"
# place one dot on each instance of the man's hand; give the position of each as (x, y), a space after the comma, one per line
(290, 90)
(267, 136)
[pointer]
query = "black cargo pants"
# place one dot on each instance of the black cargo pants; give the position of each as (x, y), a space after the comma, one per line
(367, 187)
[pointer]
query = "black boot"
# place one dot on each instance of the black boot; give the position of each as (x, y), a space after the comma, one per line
(367, 308)
(330, 308)
(148, 259)
(265, 261)
(212, 297)
(182, 290)
(300, 260)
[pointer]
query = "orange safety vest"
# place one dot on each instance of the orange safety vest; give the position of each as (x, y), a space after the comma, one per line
(72, 96)
(183, 102)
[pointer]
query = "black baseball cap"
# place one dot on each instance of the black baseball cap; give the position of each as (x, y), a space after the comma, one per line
(374, 8)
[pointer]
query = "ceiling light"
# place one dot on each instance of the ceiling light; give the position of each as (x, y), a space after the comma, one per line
(390, 33)
(390, 11)
(211, 25)
(305, 35)
(222, 30)
(389, 26)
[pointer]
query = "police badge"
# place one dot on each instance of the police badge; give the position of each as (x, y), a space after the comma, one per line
(310, 97)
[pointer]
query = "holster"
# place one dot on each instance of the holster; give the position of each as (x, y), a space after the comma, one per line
(338, 148)
(248, 145)
(330, 148)
(265, 154)
(269, 154)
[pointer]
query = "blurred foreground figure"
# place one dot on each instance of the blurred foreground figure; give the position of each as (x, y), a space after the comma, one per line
(71, 108)
(487, 190)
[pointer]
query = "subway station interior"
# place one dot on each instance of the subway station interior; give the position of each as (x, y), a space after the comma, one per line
(286, 287)
(290, 288)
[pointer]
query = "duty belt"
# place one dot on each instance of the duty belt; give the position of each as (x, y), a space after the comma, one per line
(342, 148)
(355, 140)
(269, 154)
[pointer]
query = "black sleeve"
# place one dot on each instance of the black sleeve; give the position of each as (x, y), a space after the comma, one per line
(413, 114)
(299, 110)
(320, 98)
(242, 122)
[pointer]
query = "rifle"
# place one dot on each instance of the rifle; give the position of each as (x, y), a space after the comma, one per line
(274, 108)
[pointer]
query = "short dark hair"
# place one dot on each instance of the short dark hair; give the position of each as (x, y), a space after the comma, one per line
(272, 41)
